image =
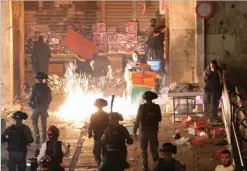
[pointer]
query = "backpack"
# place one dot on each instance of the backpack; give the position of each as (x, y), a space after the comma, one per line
(149, 115)
(17, 141)
(42, 95)
(116, 137)
(54, 151)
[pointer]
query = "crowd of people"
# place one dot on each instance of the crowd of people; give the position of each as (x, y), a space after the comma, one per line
(110, 137)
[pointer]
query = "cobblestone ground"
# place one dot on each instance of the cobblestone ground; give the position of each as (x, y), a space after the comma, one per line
(196, 158)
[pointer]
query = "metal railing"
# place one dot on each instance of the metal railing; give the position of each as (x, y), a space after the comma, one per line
(236, 128)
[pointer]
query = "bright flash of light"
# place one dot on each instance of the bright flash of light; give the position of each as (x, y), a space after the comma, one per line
(82, 90)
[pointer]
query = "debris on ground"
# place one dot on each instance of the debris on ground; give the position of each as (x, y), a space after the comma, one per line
(182, 141)
(186, 87)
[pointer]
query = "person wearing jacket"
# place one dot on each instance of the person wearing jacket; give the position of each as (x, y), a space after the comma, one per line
(115, 138)
(168, 162)
(98, 122)
(18, 137)
(40, 56)
(39, 101)
(148, 118)
(54, 149)
(213, 88)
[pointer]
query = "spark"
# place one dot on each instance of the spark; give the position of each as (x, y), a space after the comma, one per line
(82, 90)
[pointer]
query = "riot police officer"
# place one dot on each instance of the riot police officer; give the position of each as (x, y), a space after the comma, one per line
(115, 137)
(18, 136)
(148, 117)
(98, 122)
(53, 148)
(39, 101)
(167, 162)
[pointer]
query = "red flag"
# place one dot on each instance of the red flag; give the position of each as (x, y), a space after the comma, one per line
(79, 45)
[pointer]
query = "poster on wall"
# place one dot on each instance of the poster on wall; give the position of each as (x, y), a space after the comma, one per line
(162, 6)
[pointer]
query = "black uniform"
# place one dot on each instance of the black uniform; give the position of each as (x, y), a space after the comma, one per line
(115, 138)
(172, 165)
(40, 57)
(40, 99)
(54, 150)
(213, 90)
(98, 122)
(18, 139)
(148, 117)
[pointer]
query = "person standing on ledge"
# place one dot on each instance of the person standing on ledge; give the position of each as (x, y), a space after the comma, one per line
(40, 56)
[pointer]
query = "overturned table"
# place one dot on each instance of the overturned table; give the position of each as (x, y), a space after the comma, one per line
(187, 96)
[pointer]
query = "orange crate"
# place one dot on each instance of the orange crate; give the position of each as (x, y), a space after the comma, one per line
(201, 124)
(150, 74)
(137, 81)
(136, 75)
(199, 140)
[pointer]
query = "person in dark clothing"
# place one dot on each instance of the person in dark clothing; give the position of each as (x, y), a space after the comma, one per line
(100, 65)
(40, 56)
(54, 149)
(153, 44)
(39, 101)
(84, 67)
(115, 138)
(213, 88)
(148, 117)
(167, 162)
(98, 122)
(18, 136)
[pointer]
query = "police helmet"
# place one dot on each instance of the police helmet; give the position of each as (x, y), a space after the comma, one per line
(53, 131)
(19, 115)
(100, 103)
(45, 162)
(168, 148)
(41, 75)
(149, 95)
(116, 116)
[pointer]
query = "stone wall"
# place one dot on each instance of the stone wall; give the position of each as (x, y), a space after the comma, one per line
(227, 38)
(182, 41)
(7, 54)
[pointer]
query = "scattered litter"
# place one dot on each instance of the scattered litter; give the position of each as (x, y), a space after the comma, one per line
(177, 135)
(182, 141)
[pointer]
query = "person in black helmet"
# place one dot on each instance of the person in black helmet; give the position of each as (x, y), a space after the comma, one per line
(115, 138)
(148, 118)
(167, 162)
(18, 136)
(39, 101)
(54, 149)
(98, 122)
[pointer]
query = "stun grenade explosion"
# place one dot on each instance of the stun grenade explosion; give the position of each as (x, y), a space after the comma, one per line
(81, 91)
